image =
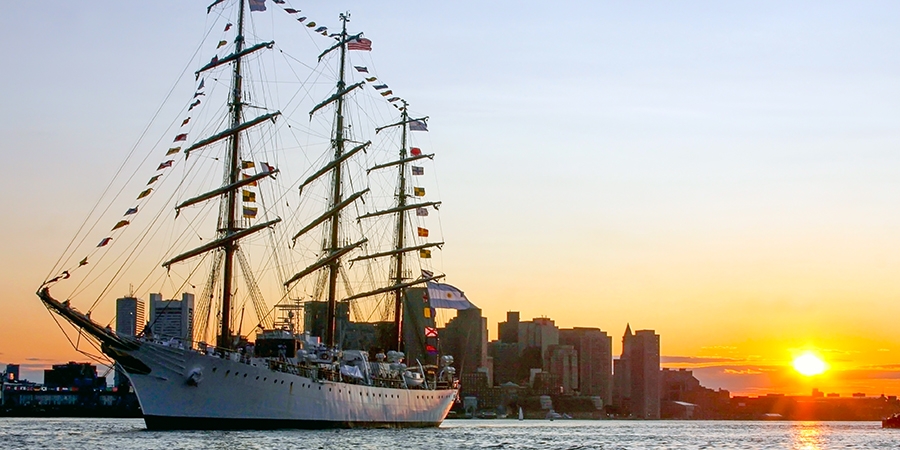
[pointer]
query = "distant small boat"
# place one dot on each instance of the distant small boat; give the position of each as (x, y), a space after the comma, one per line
(891, 422)
(521, 414)
(553, 415)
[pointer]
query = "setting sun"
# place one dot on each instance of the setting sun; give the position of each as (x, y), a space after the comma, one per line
(809, 364)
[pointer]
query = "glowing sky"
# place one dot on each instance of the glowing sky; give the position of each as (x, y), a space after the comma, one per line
(723, 173)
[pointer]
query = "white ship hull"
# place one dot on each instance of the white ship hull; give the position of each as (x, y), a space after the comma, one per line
(230, 394)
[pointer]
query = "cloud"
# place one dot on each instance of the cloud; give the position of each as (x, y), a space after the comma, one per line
(742, 371)
(35, 365)
(864, 374)
(887, 367)
(835, 351)
(695, 360)
(32, 364)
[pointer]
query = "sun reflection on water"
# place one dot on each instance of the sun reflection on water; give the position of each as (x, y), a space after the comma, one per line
(807, 436)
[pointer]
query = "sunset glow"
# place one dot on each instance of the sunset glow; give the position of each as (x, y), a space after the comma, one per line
(809, 364)
(722, 173)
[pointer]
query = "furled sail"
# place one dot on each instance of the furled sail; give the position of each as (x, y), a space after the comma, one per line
(227, 239)
(231, 131)
(234, 56)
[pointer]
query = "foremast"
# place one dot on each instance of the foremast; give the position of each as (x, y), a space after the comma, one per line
(229, 229)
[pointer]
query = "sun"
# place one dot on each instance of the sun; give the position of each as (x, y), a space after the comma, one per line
(809, 364)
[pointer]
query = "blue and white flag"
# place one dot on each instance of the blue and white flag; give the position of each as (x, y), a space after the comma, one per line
(418, 125)
(416, 170)
(257, 5)
(447, 297)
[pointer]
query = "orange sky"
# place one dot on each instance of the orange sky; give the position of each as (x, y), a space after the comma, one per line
(724, 174)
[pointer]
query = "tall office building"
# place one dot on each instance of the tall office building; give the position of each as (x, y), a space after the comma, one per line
(637, 375)
(563, 366)
(129, 316)
(172, 318)
(129, 322)
(506, 362)
(594, 349)
(540, 333)
(465, 337)
(508, 331)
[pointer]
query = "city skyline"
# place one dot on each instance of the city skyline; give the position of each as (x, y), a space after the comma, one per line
(722, 174)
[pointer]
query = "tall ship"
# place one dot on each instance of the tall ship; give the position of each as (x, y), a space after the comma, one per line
(288, 212)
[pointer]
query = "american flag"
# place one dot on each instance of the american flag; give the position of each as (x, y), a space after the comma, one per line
(418, 125)
(359, 44)
(257, 5)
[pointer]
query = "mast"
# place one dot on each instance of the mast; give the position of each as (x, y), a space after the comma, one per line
(334, 266)
(232, 175)
(400, 241)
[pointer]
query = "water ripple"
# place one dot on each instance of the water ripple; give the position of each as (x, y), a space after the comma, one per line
(125, 434)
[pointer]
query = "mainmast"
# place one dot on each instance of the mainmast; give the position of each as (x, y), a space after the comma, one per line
(333, 252)
(232, 175)
(401, 239)
(334, 266)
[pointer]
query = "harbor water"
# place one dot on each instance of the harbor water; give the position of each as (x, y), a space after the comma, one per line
(122, 434)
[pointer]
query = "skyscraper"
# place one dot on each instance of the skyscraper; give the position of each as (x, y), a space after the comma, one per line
(465, 337)
(594, 349)
(129, 316)
(637, 378)
(505, 352)
(563, 366)
(130, 321)
(172, 318)
(540, 333)
(509, 330)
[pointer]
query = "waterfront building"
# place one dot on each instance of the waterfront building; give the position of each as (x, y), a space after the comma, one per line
(129, 316)
(130, 321)
(11, 374)
(508, 331)
(636, 383)
(73, 375)
(506, 364)
(594, 348)
(682, 397)
(71, 389)
(465, 337)
(540, 333)
(563, 365)
(172, 318)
